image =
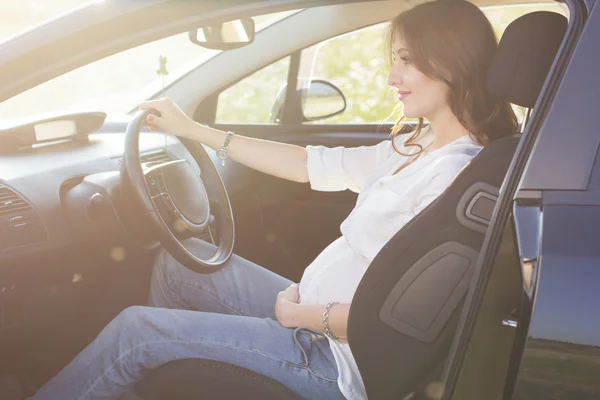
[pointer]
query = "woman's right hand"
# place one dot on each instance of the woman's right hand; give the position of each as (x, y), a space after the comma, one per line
(172, 119)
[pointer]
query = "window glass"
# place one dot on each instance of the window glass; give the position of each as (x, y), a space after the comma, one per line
(252, 100)
(21, 15)
(115, 84)
(118, 83)
(355, 63)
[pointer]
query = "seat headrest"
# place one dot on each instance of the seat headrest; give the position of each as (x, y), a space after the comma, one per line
(524, 57)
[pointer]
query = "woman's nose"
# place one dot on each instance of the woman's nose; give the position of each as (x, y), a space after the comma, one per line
(394, 77)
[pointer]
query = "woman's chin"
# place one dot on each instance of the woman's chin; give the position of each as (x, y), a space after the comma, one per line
(408, 114)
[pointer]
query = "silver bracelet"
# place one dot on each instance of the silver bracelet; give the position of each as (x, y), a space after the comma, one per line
(328, 332)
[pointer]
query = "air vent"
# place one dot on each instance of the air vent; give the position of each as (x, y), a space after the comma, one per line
(160, 156)
(11, 202)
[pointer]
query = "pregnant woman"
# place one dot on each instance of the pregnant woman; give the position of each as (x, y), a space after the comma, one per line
(251, 317)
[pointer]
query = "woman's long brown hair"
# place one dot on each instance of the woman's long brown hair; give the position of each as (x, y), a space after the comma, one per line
(453, 42)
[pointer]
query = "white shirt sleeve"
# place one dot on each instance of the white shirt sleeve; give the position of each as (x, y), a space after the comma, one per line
(341, 168)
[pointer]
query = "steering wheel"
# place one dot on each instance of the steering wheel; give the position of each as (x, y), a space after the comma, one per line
(175, 202)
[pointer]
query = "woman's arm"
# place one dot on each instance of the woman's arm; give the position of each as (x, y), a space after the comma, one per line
(282, 160)
(291, 314)
(278, 159)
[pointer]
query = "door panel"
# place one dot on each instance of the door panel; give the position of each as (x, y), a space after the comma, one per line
(560, 348)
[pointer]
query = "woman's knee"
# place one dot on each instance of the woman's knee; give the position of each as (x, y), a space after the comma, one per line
(132, 337)
(168, 268)
(137, 324)
(165, 268)
(169, 277)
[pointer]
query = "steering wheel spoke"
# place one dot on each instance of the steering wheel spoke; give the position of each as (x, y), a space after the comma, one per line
(179, 225)
(176, 220)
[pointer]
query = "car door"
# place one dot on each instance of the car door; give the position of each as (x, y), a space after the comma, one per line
(284, 225)
(531, 329)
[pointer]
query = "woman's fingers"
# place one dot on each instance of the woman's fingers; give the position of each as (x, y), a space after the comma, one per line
(159, 107)
(155, 104)
(154, 120)
(291, 293)
(167, 118)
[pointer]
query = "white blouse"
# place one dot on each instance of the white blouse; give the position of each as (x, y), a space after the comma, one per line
(386, 202)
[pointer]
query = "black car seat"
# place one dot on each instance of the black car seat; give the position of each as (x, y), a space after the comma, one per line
(406, 307)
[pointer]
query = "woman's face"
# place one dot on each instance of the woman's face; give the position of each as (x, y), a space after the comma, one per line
(420, 95)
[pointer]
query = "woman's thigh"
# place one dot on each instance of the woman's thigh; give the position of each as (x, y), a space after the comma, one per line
(143, 338)
(240, 287)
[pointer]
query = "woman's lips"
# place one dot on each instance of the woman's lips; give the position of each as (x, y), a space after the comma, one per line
(403, 94)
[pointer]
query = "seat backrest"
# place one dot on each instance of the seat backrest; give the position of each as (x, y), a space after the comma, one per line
(406, 308)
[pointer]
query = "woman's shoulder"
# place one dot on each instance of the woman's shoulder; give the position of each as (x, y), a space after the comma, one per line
(465, 146)
(457, 154)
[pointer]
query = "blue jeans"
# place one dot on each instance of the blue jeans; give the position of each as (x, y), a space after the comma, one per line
(226, 316)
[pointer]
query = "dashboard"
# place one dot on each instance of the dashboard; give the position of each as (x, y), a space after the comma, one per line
(37, 212)
(56, 239)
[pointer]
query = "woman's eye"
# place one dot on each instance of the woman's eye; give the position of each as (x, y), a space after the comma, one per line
(405, 60)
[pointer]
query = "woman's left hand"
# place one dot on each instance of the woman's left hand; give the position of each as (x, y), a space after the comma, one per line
(286, 305)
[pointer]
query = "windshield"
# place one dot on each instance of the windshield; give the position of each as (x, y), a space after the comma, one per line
(22, 15)
(118, 83)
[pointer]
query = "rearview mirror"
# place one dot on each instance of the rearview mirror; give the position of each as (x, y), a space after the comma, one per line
(225, 36)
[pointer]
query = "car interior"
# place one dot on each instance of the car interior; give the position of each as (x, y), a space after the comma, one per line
(77, 252)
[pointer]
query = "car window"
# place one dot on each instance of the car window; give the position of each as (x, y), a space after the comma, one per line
(358, 70)
(251, 100)
(18, 16)
(114, 84)
(355, 64)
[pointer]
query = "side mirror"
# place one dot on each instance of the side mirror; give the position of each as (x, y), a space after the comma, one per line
(225, 36)
(322, 100)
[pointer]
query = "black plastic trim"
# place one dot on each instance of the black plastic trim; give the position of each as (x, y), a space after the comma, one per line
(464, 211)
(451, 260)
